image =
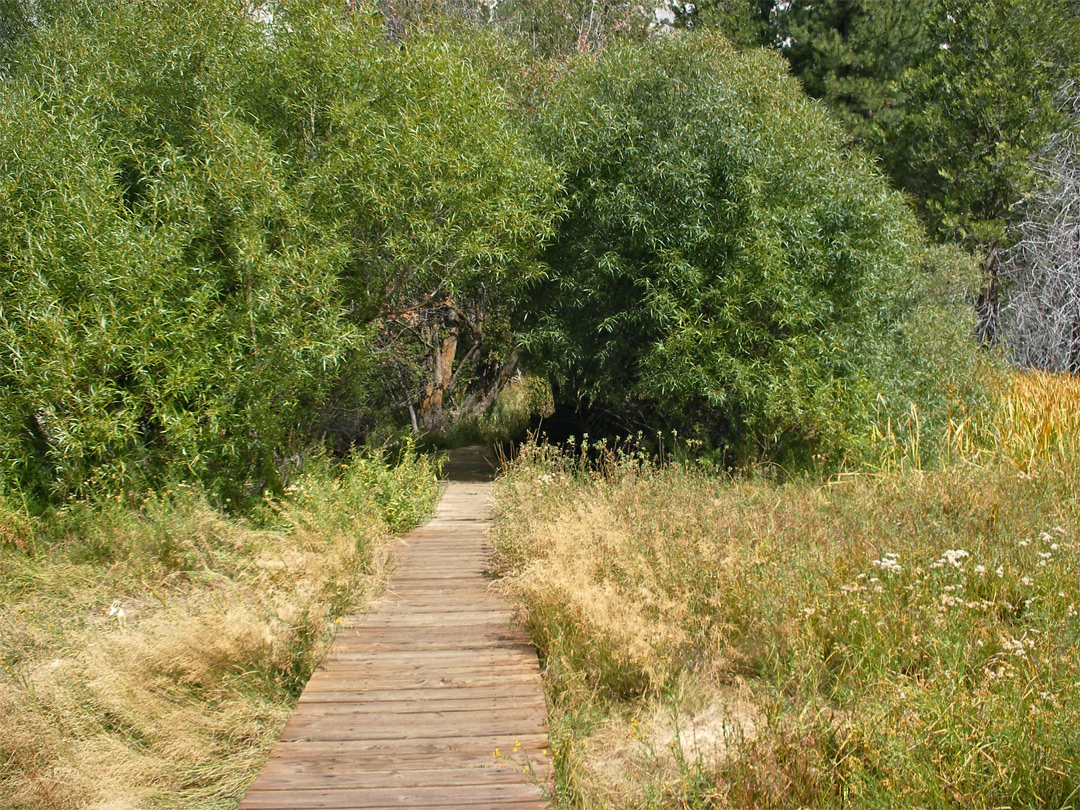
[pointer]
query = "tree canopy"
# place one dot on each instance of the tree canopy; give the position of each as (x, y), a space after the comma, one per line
(726, 265)
(229, 231)
(209, 218)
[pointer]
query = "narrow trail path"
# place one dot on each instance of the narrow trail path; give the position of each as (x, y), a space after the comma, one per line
(418, 692)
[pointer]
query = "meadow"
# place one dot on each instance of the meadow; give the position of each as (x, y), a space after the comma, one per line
(904, 636)
(150, 652)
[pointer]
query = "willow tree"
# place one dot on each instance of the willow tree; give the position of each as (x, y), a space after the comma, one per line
(727, 267)
(410, 161)
(211, 218)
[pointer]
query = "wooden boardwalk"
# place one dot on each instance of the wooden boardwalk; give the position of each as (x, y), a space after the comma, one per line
(418, 693)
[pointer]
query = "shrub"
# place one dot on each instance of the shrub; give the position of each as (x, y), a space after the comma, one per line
(165, 301)
(726, 265)
(219, 226)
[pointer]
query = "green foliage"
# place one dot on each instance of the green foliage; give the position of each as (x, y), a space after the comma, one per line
(212, 217)
(853, 54)
(409, 161)
(744, 22)
(956, 97)
(726, 262)
(165, 302)
(981, 107)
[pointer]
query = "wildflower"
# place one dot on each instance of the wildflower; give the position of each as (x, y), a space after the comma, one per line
(1026, 580)
(948, 601)
(1000, 571)
(1024, 543)
(1014, 645)
(954, 557)
(889, 563)
(980, 569)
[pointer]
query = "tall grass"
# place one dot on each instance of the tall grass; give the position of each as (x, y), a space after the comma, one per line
(149, 656)
(904, 638)
(1034, 423)
(1038, 421)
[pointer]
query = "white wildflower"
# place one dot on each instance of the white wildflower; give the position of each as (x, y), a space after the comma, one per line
(955, 557)
(948, 601)
(1014, 645)
(889, 564)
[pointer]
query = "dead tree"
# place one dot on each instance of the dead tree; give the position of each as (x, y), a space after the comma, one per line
(1041, 321)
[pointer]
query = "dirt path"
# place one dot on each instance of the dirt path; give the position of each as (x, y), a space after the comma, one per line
(431, 698)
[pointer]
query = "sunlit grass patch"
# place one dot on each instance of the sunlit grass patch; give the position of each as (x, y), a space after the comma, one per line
(149, 656)
(1039, 419)
(907, 639)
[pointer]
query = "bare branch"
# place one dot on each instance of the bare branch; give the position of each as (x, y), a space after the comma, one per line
(1041, 321)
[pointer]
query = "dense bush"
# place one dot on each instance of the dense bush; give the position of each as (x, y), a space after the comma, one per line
(163, 301)
(210, 218)
(726, 265)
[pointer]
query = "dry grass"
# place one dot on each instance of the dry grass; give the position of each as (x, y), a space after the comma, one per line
(1038, 421)
(907, 638)
(176, 701)
(1034, 423)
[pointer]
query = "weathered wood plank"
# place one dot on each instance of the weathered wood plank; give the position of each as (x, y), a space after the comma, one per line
(446, 692)
(360, 683)
(347, 799)
(419, 692)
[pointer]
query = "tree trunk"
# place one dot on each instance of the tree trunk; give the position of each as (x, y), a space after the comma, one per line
(432, 410)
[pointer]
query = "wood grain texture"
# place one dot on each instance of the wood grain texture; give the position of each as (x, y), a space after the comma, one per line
(418, 693)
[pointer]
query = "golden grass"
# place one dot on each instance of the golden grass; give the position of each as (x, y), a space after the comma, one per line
(176, 702)
(1032, 422)
(1038, 419)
